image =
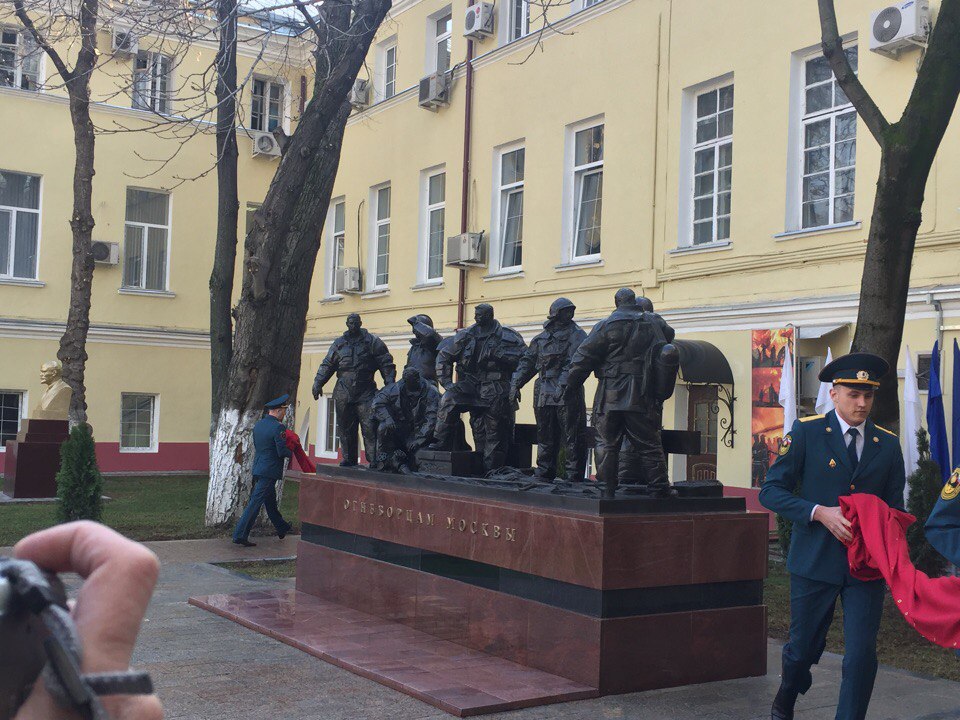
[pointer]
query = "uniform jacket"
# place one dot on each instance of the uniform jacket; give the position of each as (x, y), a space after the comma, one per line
(618, 351)
(415, 420)
(355, 360)
(549, 356)
(423, 351)
(813, 468)
(943, 524)
(270, 446)
(481, 359)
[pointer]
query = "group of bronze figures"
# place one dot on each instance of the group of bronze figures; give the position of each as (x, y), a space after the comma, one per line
(482, 370)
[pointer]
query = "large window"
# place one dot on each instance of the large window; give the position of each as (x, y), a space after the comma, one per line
(151, 82)
(712, 165)
(587, 191)
(266, 112)
(329, 440)
(146, 240)
(519, 19)
(19, 225)
(829, 136)
(443, 27)
(19, 59)
(381, 277)
(138, 422)
(389, 53)
(510, 222)
(435, 215)
(338, 241)
(11, 410)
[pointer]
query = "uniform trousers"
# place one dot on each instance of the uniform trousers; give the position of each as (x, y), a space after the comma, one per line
(264, 494)
(811, 612)
(562, 426)
(352, 415)
(629, 448)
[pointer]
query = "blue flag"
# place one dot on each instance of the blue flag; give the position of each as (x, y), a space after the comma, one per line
(936, 422)
(956, 404)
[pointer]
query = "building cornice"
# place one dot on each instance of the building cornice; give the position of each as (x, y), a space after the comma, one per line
(19, 328)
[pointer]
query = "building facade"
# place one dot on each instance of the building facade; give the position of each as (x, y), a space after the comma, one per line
(698, 152)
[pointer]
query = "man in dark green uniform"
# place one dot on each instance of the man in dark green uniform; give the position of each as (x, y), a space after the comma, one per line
(823, 458)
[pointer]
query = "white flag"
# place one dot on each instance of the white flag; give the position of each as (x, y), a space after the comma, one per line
(912, 414)
(788, 393)
(824, 403)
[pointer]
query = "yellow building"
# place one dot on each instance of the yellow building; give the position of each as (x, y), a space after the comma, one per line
(601, 155)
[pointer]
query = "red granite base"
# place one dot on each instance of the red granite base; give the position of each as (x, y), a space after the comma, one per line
(455, 679)
(33, 460)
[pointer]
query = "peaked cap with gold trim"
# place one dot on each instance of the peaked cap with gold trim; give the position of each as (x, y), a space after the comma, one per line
(859, 370)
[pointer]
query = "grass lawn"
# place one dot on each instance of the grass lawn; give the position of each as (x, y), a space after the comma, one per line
(898, 644)
(263, 569)
(143, 508)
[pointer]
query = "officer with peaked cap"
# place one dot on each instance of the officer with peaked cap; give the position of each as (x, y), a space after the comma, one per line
(823, 458)
(271, 450)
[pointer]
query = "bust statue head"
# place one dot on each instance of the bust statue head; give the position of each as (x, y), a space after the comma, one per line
(50, 372)
(55, 402)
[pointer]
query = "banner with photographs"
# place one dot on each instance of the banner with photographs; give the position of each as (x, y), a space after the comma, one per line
(769, 348)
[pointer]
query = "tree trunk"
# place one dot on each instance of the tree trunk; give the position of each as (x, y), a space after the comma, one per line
(280, 255)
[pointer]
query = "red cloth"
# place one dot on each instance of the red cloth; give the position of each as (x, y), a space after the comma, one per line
(879, 550)
(293, 442)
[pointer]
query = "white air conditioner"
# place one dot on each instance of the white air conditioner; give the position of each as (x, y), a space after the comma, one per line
(124, 42)
(360, 93)
(435, 91)
(478, 21)
(900, 27)
(347, 280)
(467, 249)
(107, 253)
(265, 143)
(810, 368)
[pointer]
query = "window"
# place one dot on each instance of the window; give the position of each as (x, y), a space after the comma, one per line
(587, 191)
(329, 444)
(381, 264)
(19, 60)
(712, 165)
(19, 225)
(510, 222)
(266, 113)
(589, 3)
(11, 410)
(389, 71)
(923, 371)
(138, 425)
(443, 27)
(434, 222)
(829, 132)
(337, 243)
(519, 19)
(151, 82)
(146, 238)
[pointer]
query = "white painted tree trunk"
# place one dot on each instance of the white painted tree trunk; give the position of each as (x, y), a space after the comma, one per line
(231, 465)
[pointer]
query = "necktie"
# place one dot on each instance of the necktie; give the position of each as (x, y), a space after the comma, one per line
(852, 447)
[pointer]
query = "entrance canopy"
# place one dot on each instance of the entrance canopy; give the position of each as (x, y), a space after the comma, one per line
(702, 362)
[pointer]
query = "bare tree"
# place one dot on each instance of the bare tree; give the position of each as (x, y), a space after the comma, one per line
(908, 148)
(281, 249)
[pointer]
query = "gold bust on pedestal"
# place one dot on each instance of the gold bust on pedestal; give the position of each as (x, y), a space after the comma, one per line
(55, 402)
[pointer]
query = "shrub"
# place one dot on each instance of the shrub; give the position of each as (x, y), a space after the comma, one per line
(79, 482)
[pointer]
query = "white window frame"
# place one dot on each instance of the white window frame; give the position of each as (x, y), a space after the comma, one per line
(144, 228)
(283, 121)
(335, 241)
(688, 151)
(326, 414)
(426, 210)
(381, 84)
(509, 33)
(572, 183)
(374, 243)
(158, 99)
(7, 272)
(434, 39)
(22, 413)
(154, 424)
(499, 206)
(793, 222)
(22, 54)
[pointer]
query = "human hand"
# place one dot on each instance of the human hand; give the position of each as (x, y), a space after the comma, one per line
(119, 576)
(514, 393)
(317, 392)
(832, 518)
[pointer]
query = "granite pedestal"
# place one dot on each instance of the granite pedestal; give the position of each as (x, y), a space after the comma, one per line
(33, 459)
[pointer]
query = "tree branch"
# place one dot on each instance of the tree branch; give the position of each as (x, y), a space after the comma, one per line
(309, 18)
(21, 13)
(847, 79)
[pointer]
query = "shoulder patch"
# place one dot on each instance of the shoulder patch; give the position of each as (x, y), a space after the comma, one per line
(888, 432)
(952, 487)
(785, 444)
(811, 417)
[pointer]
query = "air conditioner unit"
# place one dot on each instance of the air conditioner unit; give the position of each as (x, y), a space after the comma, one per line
(478, 21)
(435, 91)
(265, 143)
(810, 368)
(347, 280)
(360, 93)
(900, 27)
(467, 249)
(124, 42)
(107, 253)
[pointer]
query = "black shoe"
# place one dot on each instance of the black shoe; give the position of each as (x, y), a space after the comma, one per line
(283, 534)
(245, 543)
(783, 704)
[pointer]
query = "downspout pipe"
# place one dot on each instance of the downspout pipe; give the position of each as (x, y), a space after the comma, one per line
(465, 177)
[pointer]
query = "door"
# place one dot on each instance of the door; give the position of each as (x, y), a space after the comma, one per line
(702, 417)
